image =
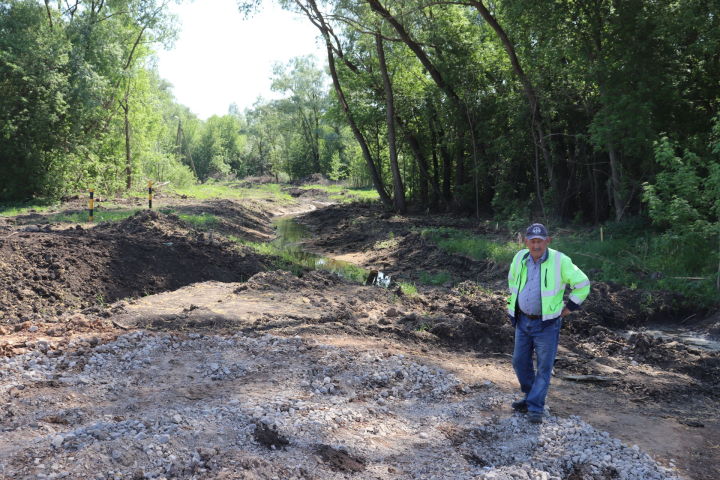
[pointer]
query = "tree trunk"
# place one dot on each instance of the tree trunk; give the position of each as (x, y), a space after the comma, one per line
(423, 167)
(447, 173)
(317, 19)
(377, 182)
(128, 154)
(615, 183)
(398, 187)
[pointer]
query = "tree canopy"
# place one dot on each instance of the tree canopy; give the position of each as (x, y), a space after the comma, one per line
(557, 109)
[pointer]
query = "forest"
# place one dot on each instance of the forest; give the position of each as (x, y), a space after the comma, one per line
(578, 111)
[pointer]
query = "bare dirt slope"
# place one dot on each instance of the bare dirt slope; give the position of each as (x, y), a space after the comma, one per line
(212, 376)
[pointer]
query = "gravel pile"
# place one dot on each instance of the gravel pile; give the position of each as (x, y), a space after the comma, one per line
(191, 406)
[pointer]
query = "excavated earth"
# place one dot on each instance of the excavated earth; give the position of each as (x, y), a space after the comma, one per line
(149, 349)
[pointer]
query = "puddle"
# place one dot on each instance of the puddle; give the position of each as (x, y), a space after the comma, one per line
(688, 337)
(288, 245)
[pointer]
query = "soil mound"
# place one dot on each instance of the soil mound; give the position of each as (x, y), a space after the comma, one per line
(427, 258)
(281, 281)
(148, 223)
(44, 273)
(314, 179)
(232, 218)
(306, 192)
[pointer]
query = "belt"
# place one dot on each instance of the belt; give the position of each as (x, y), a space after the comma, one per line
(532, 317)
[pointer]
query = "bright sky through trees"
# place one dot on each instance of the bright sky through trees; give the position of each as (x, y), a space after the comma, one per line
(220, 58)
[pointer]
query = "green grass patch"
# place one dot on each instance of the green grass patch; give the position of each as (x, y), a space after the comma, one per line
(648, 260)
(632, 254)
(391, 242)
(297, 261)
(201, 222)
(464, 243)
(343, 194)
(408, 289)
(13, 209)
(211, 190)
(99, 216)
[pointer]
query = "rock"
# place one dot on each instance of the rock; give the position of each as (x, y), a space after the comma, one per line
(392, 312)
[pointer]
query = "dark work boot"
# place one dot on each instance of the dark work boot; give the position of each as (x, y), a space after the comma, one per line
(535, 417)
(520, 406)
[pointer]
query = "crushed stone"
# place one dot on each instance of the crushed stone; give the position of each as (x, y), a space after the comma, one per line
(160, 405)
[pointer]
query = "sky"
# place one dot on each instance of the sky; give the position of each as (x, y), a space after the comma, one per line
(219, 58)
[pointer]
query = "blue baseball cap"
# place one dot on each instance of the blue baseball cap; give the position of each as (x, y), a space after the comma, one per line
(536, 230)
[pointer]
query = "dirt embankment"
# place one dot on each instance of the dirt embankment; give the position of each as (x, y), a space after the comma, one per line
(45, 272)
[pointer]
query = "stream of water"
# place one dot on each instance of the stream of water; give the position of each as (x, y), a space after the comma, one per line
(688, 337)
(288, 243)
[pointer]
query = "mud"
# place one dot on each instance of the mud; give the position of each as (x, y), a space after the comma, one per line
(66, 292)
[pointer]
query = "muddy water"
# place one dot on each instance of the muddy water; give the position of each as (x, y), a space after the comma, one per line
(288, 243)
(688, 337)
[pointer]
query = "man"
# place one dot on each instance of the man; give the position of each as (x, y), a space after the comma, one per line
(537, 280)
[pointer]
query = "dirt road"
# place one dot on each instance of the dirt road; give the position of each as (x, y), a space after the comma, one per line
(142, 350)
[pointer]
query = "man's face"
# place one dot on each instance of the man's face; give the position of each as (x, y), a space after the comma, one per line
(537, 246)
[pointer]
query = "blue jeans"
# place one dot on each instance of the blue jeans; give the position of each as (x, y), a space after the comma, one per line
(542, 338)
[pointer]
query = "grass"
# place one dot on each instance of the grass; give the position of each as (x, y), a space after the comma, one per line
(343, 194)
(98, 216)
(202, 221)
(296, 261)
(408, 289)
(391, 242)
(210, 190)
(648, 260)
(632, 254)
(464, 243)
(13, 209)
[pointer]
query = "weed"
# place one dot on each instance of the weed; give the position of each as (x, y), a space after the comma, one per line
(391, 242)
(409, 289)
(101, 300)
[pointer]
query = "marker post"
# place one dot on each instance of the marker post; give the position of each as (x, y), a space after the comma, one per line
(150, 192)
(91, 205)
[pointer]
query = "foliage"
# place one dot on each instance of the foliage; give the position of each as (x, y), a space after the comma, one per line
(685, 197)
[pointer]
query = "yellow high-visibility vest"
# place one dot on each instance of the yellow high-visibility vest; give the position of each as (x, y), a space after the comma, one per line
(556, 272)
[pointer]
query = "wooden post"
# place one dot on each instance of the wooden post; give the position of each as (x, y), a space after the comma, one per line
(602, 237)
(150, 184)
